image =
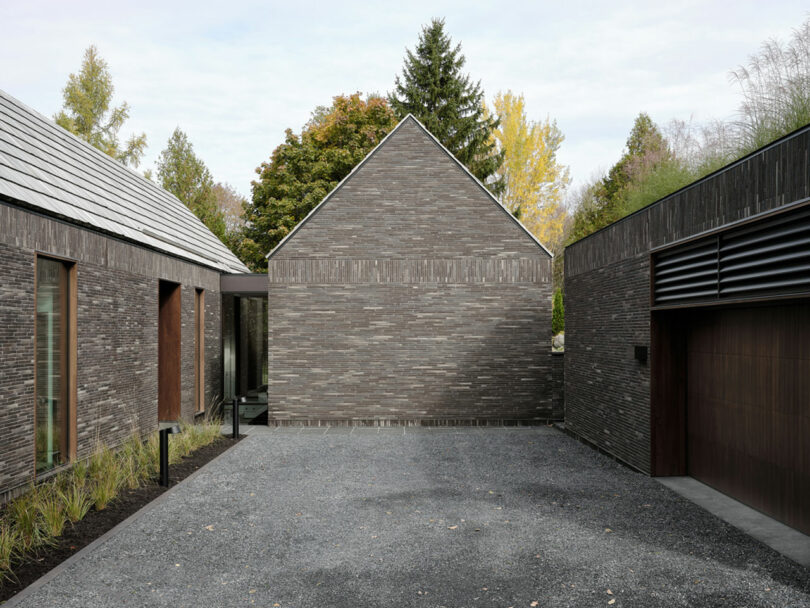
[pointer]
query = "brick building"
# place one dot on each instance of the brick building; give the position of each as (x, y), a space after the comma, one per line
(688, 333)
(409, 295)
(109, 300)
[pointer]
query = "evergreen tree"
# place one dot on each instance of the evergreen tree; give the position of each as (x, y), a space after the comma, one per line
(606, 200)
(183, 174)
(445, 100)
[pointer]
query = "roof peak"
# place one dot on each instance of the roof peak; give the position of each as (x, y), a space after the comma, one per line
(382, 142)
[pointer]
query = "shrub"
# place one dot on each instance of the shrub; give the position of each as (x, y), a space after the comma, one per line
(557, 313)
(78, 474)
(106, 472)
(77, 502)
(9, 549)
(104, 490)
(35, 518)
(25, 514)
(52, 514)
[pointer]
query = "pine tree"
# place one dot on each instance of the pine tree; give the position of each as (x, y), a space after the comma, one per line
(185, 175)
(445, 100)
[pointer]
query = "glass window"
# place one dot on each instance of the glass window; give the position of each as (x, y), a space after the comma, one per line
(52, 357)
(244, 337)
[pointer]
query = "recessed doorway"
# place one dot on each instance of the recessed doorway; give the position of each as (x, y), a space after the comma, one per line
(169, 352)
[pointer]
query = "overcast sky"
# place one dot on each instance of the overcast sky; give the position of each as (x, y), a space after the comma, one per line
(234, 75)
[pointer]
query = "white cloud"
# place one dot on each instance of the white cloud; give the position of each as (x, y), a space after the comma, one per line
(235, 75)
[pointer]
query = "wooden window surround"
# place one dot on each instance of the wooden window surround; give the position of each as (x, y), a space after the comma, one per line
(55, 359)
(199, 350)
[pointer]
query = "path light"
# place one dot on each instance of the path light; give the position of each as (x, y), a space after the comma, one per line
(235, 415)
(164, 452)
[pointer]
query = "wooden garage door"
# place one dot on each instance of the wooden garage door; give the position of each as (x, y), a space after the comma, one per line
(748, 413)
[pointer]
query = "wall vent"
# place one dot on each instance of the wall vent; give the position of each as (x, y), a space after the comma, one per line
(767, 258)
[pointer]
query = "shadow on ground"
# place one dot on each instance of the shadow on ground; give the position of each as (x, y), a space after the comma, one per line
(416, 517)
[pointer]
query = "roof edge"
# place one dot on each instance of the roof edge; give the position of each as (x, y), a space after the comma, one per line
(727, 167)
(368, 156)
(198, 260)
(482, 186)
(315, 209)
(154, 190)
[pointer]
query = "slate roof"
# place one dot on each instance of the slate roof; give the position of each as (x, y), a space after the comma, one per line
(359, 166)
(45, 167)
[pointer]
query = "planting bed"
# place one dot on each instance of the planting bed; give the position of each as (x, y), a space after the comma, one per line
(96, 523)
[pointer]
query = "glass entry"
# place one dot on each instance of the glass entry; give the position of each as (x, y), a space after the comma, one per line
(244, 338)
(52, 380)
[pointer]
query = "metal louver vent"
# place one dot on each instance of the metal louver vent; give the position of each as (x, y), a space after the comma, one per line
(769, 257)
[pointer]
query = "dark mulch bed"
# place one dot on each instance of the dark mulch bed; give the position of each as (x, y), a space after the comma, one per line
(97, 523)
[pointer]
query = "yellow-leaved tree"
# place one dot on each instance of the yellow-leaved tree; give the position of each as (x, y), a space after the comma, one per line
(535, 181)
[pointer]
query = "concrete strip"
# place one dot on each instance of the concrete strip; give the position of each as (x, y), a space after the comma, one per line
(784, 539)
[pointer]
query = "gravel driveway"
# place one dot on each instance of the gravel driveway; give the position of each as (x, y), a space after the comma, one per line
(317, 518)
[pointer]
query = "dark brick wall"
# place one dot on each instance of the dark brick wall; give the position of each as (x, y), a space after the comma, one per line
(117, 285)
(607, 392)
(410, 296)
(16, 365)
(558, 385)
(410, 200)
(607, 289)
(410, 352)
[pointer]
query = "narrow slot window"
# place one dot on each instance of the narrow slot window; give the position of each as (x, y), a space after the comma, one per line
(199, 350)
(54, 360)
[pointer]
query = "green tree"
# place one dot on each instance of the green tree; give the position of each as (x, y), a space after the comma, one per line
(444, 99)
(306, 167)
(605, 200)
(557, 313)
(775, 88)
(87, 113)
(182, 173)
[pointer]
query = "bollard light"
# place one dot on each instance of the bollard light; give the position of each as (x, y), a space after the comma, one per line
(164, 452)
(235, 416)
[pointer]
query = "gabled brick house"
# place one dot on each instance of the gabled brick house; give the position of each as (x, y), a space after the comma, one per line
(109, 300)
(410, 295)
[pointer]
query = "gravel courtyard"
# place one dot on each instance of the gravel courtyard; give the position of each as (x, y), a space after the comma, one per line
(456, 517)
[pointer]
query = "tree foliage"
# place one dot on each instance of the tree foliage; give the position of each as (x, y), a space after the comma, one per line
(557, 313)
(444, 99)
(534, 180)
(775, 88)
(87, 113)
(231, 204)
(608, 199)
(306, 167)
(182, 173)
